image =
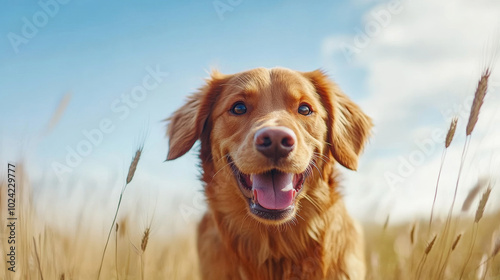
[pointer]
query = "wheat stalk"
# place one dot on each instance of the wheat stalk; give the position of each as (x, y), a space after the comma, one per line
(116, 250)
(133, 165)
(144, 245)
(494, 251)
(430, 245)
(496, 247)
(479, 95)
(412, 233)
(386, 223)
(482, 205)
(449, 138)
(473, 117)
(451, 132)
(483, 267)
(472, 194)
(427, 250)
(445, 263)
(455, 243)
(482, 88)
(130, 176)
(37, 259)
(477, 218)
(145, 238)
(56, 116)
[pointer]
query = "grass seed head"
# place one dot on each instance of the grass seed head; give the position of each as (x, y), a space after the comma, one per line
(386, 223)
(482, 88)
(145, 239)
(496, 246)
(429, 246)
(412, 233)
(451, 132)
(482, 205)
(133, 165)
(455, 243)
(473, 193)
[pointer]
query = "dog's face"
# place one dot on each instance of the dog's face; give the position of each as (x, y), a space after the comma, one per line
(269, 130)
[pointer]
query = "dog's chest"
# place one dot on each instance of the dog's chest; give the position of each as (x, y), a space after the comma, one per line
(282, 270)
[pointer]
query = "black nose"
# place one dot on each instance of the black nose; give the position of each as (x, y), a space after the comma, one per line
(275, 142)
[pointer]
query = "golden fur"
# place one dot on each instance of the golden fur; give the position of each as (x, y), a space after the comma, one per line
(319, 240)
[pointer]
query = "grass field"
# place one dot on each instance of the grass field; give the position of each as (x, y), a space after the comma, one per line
(393, 251)
(463, 246)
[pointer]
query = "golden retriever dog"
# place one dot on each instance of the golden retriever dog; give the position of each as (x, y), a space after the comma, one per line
(270, 139)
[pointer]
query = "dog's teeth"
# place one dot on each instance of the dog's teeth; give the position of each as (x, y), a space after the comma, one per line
(251, 178)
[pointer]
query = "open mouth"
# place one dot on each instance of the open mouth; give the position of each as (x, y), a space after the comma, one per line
(271, 195)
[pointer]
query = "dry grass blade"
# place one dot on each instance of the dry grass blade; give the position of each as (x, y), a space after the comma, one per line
(482, 88)
(116, 249)
(473, 193)
(386, 223)
(412, 233)
(424, 257)
(477, 218)
(436, 191)
(482, 205)
(37, 259)
(449, 138)
(483, 267)
(455, 243)
(144, 245)
(429, 246)
(130, 176)
(122, 229)
(133, 165)
(145, 238)
(451, 132)
(63, 104)
(496, 246)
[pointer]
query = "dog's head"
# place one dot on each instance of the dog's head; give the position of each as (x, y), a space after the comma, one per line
(264, 132)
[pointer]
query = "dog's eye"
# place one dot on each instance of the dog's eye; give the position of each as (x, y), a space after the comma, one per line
(239, 109)
(305, 110)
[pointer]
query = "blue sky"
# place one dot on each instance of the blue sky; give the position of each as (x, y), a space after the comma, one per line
(421, 61)
(99, 51)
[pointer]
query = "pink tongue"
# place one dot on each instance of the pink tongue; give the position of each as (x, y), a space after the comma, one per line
(274, 190)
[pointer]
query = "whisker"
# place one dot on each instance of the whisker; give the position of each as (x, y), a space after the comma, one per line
(326, 160)
(307, 172)
(314, 203)
(320, 159)
(319, 172)
(222, 158)
(298, 215)
(221, 169)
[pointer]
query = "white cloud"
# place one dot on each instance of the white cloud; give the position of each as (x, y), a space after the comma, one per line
(422, 68)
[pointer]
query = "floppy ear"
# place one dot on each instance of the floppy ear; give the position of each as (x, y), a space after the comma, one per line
(348, 127)
(186, 125)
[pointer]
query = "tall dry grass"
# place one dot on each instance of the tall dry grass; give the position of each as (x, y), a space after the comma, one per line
(460, 247)
(395, 252)
(457, 248)
(48, 252)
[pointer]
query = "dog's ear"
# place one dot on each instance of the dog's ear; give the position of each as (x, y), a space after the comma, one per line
(186, 125)
(348, 127)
